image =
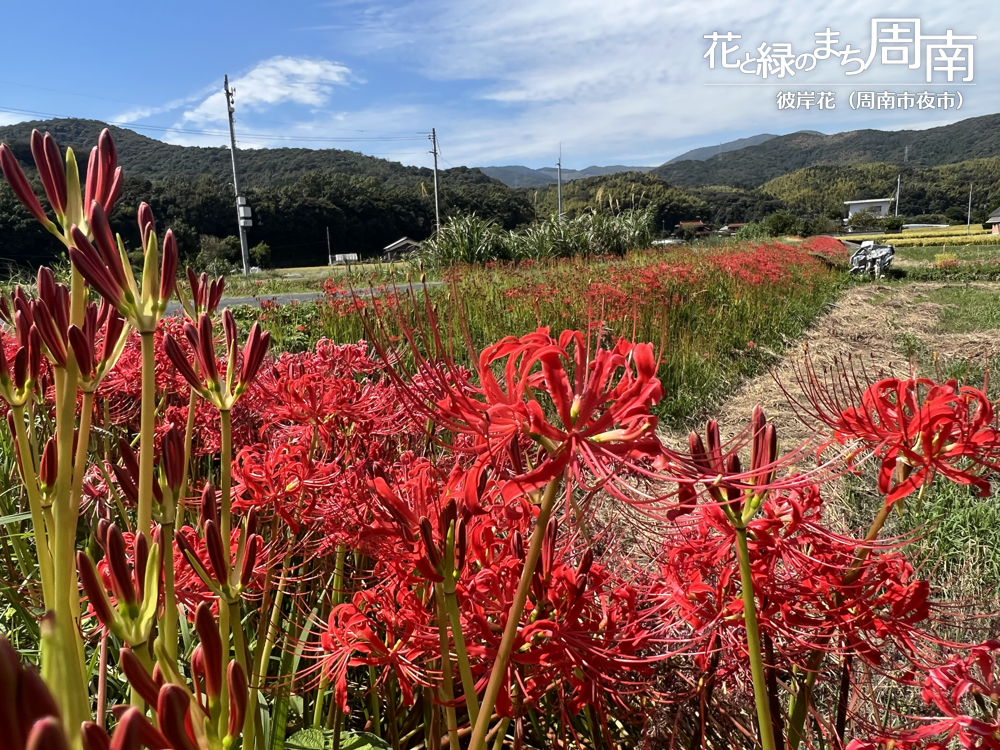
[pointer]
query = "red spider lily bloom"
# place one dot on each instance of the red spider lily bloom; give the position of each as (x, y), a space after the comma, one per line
(205, 294)
(211, 384)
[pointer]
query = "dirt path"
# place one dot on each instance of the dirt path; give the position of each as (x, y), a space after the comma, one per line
(868, 322)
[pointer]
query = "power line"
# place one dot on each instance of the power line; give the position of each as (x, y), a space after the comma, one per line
(190, 131)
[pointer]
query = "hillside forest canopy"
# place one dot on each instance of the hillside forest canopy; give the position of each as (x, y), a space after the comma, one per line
(367, 203)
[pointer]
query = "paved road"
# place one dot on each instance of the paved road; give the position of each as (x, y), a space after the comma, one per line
(283, 299)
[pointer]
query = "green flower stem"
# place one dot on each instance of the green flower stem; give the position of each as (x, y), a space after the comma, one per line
(501, 733)
(188, 438)
(447, 687)
(478, 741)
(224, 692)
(753, 644)
(338, 585)
(265, 644)
(147, 436)
(226, 470)
(376, 719)
(464, 669)
(35, 504)
(168, 627)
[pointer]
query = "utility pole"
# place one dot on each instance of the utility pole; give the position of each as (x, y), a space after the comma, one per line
(968, 225)
(329, 252)
(559, 181)
(437, 209)
(242, 209)
(899, 177)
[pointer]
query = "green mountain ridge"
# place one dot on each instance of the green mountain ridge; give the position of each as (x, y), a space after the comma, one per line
(752, 166)
(147, 157)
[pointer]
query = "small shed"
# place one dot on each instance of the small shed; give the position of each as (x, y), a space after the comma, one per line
(700, 228)
(994, 221)
(399, 249)
(877, 206)
(732, 228)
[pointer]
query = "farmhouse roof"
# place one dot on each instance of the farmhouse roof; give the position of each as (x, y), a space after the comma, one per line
(869, 200)
(399, 244)
(994, 217)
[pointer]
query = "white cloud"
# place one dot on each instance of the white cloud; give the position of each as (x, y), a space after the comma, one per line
(625, 80)
(275, 81)
(10, 118)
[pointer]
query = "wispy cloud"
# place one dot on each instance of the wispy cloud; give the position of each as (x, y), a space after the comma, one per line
(275, 81)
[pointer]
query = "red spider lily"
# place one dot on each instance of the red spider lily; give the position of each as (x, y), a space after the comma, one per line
(136, 591)
(106, 268)
(210, 384)
(916, 427)
(104, 181)
(352, 639)
(204, 297)
(28, 712)
(230, 571)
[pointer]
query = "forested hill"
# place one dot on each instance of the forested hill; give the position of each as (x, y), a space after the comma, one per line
(975, 138)
(141, 156)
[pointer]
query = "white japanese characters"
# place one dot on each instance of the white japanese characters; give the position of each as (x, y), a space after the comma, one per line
(946, 58)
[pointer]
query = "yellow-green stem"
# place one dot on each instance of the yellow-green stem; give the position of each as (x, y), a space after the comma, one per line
(462, 654)
(338, 585)
(147, 434)
(501, 733)
(478, 741)
(753, 644)
(224, 634)
(42, 540)
(262, 653)
(168, 628)
(447, 687)
(226, 470)
(188, 437)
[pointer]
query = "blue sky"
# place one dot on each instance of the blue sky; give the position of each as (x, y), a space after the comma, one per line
(620, 82)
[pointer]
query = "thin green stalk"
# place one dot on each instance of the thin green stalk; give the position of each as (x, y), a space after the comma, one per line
(462, 654)
(376, 719)
(147, 434)
(188, 438)
(447, 686)
(224, 692)
(262, 651)
(478, 741)
(168, 627)
(338, 584)
(226, 470)
(42, 541)
(753, 644)
(501, 733)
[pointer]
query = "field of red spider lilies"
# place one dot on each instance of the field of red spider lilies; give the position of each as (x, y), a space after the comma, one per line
(425, 540)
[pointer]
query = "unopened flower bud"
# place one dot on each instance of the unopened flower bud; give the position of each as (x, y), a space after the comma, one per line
(216, 551)
(238, 694)
(121, 577)
(138, 677)
(94, 589)
(211, 644)
(171, 713)
(49, 467)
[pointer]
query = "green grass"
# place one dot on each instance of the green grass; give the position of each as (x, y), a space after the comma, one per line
(717, 325)
(964, 252)
(966, 309)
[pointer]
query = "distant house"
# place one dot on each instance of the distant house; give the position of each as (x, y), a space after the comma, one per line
(994, 220)
(700, 228)
(730, 228)
(399, 249)
(877, 206)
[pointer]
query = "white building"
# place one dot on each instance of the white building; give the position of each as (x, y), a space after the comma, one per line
(877, 206)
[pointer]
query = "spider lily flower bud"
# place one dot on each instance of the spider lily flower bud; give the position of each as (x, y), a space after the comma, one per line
(47, 734)
(90, 265)
(549, 548)
(49, 467)
(52, 337)
(22, 189)
(94, 589)
(34, 356)
(168, 268)
(175, 355)
(209, 508)
(249, 560)
(517, 545)
(94, 737)
(140, 554)
(238, 695)
(171, 713)
(430, 547)
(211, 644)
(461, 545)
(83, 350)
(172, 458)
(108, 249)
(229, 328)
(135, 732)
(147, 224)
(205, 348)
(585, 563)
(107, 169)
(253, 354)
(216, 551)
(51, 170)
(121, 577)
(138, 677)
